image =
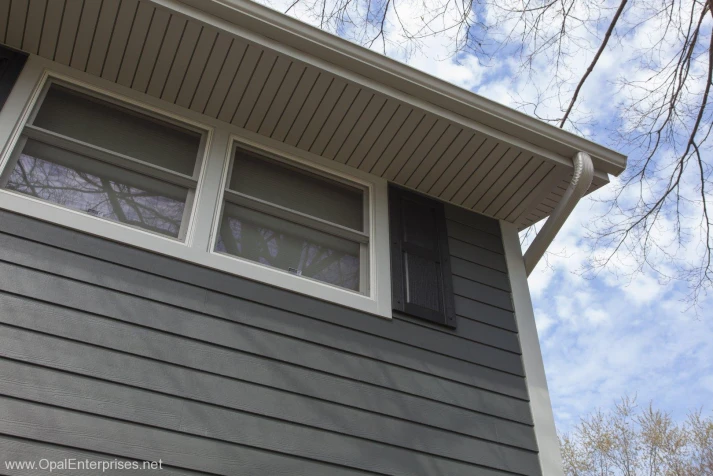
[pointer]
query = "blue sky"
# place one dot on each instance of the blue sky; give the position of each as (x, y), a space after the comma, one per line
(617, 333)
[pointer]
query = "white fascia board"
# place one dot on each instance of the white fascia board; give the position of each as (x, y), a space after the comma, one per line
(540, 403)
(311, 45)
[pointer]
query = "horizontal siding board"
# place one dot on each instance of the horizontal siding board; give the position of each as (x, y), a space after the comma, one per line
(485, 313)
(474, 236)
(471, 330)
(382, 376)
(190, 297)
(350, 451)
(413, 358)
(20, 449)
(477, 255)
(129, 404)
(93, 433)
(244, 345)
(63, 389)
(95, 395)
(481, 274)
(473, 220)
(297, 402)
(480, 292)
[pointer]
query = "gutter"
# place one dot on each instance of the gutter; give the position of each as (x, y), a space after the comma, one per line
(581, 180)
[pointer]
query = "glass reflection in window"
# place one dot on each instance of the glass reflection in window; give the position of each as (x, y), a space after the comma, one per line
(81, 183)
(288, 246)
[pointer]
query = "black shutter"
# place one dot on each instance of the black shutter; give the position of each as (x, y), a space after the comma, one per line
(420, 262)
(11, 63)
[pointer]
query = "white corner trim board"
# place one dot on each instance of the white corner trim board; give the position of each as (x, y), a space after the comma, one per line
(581, 180)
(540, 404)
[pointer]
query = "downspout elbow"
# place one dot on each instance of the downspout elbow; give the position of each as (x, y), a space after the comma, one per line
(581, 181)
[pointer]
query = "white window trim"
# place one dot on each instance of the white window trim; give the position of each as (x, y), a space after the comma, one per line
(198, 245)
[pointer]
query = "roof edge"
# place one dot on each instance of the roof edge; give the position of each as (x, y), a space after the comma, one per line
(375, 66)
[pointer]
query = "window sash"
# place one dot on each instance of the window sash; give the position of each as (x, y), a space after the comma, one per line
(268, 208)
(124, 130)
(30, 131)
(301, 190)
(108, 156)
(80, 183)
(294, 216)
(308, 254)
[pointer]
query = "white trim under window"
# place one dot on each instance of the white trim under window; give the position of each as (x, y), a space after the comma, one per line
(196, 240)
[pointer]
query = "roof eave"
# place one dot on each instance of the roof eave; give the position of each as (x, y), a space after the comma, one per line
(373, 66)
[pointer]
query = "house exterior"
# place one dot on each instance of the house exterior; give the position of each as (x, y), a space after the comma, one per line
(235, 244)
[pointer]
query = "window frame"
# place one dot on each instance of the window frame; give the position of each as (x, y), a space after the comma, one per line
(30, 131)
(300, 218)
(206, 209)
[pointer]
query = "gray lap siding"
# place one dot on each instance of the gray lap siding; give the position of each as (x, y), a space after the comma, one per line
(108, 351)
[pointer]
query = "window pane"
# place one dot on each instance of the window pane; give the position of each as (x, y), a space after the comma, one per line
(99, 189)
(118, 129)
(288, 246)
(299, 190)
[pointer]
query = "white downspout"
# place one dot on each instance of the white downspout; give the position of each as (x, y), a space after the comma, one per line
(581, 180)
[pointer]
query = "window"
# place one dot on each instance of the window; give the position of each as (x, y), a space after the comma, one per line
(295, 220)
(109, 161)
(88, 153)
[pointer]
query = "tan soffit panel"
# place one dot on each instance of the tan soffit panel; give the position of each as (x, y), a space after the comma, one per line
(216, 72)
